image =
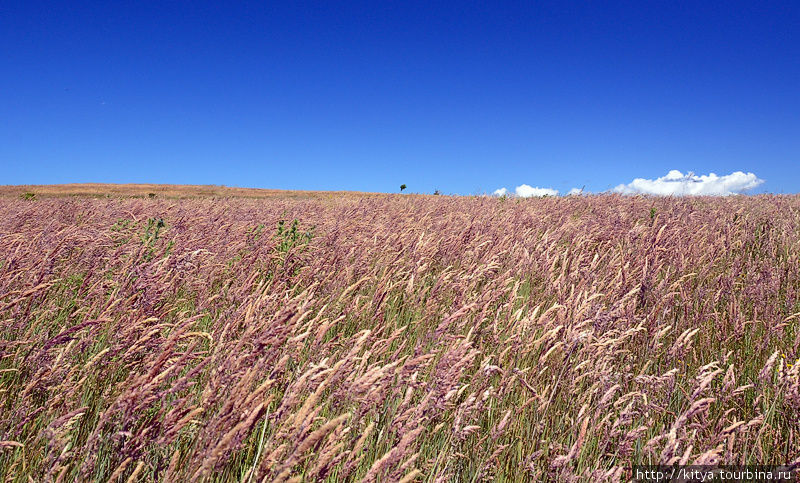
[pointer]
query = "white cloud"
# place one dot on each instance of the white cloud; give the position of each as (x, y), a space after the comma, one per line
(500, 192)
(526, 191)
(575, 191)
(676, 183)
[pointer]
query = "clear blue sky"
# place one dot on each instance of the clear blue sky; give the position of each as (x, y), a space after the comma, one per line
(461, 96)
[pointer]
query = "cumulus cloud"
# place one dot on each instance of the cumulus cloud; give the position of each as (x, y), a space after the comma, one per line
(575, 191)
(676, 183)
(526, 191)
(500, 192)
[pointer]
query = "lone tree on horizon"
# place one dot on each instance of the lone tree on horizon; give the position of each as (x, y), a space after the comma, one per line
(402, 187)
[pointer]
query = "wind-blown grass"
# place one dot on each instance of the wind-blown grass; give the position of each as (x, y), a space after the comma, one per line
(403, 338)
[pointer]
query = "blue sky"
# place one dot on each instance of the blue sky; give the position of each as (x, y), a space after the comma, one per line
(464, 97)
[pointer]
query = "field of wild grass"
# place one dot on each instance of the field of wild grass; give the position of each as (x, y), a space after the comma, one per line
(410, 338)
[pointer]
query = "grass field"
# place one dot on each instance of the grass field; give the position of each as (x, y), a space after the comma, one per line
(170, 191)
(384, 337)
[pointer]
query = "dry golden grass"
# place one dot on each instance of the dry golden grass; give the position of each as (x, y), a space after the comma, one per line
(162, 191)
